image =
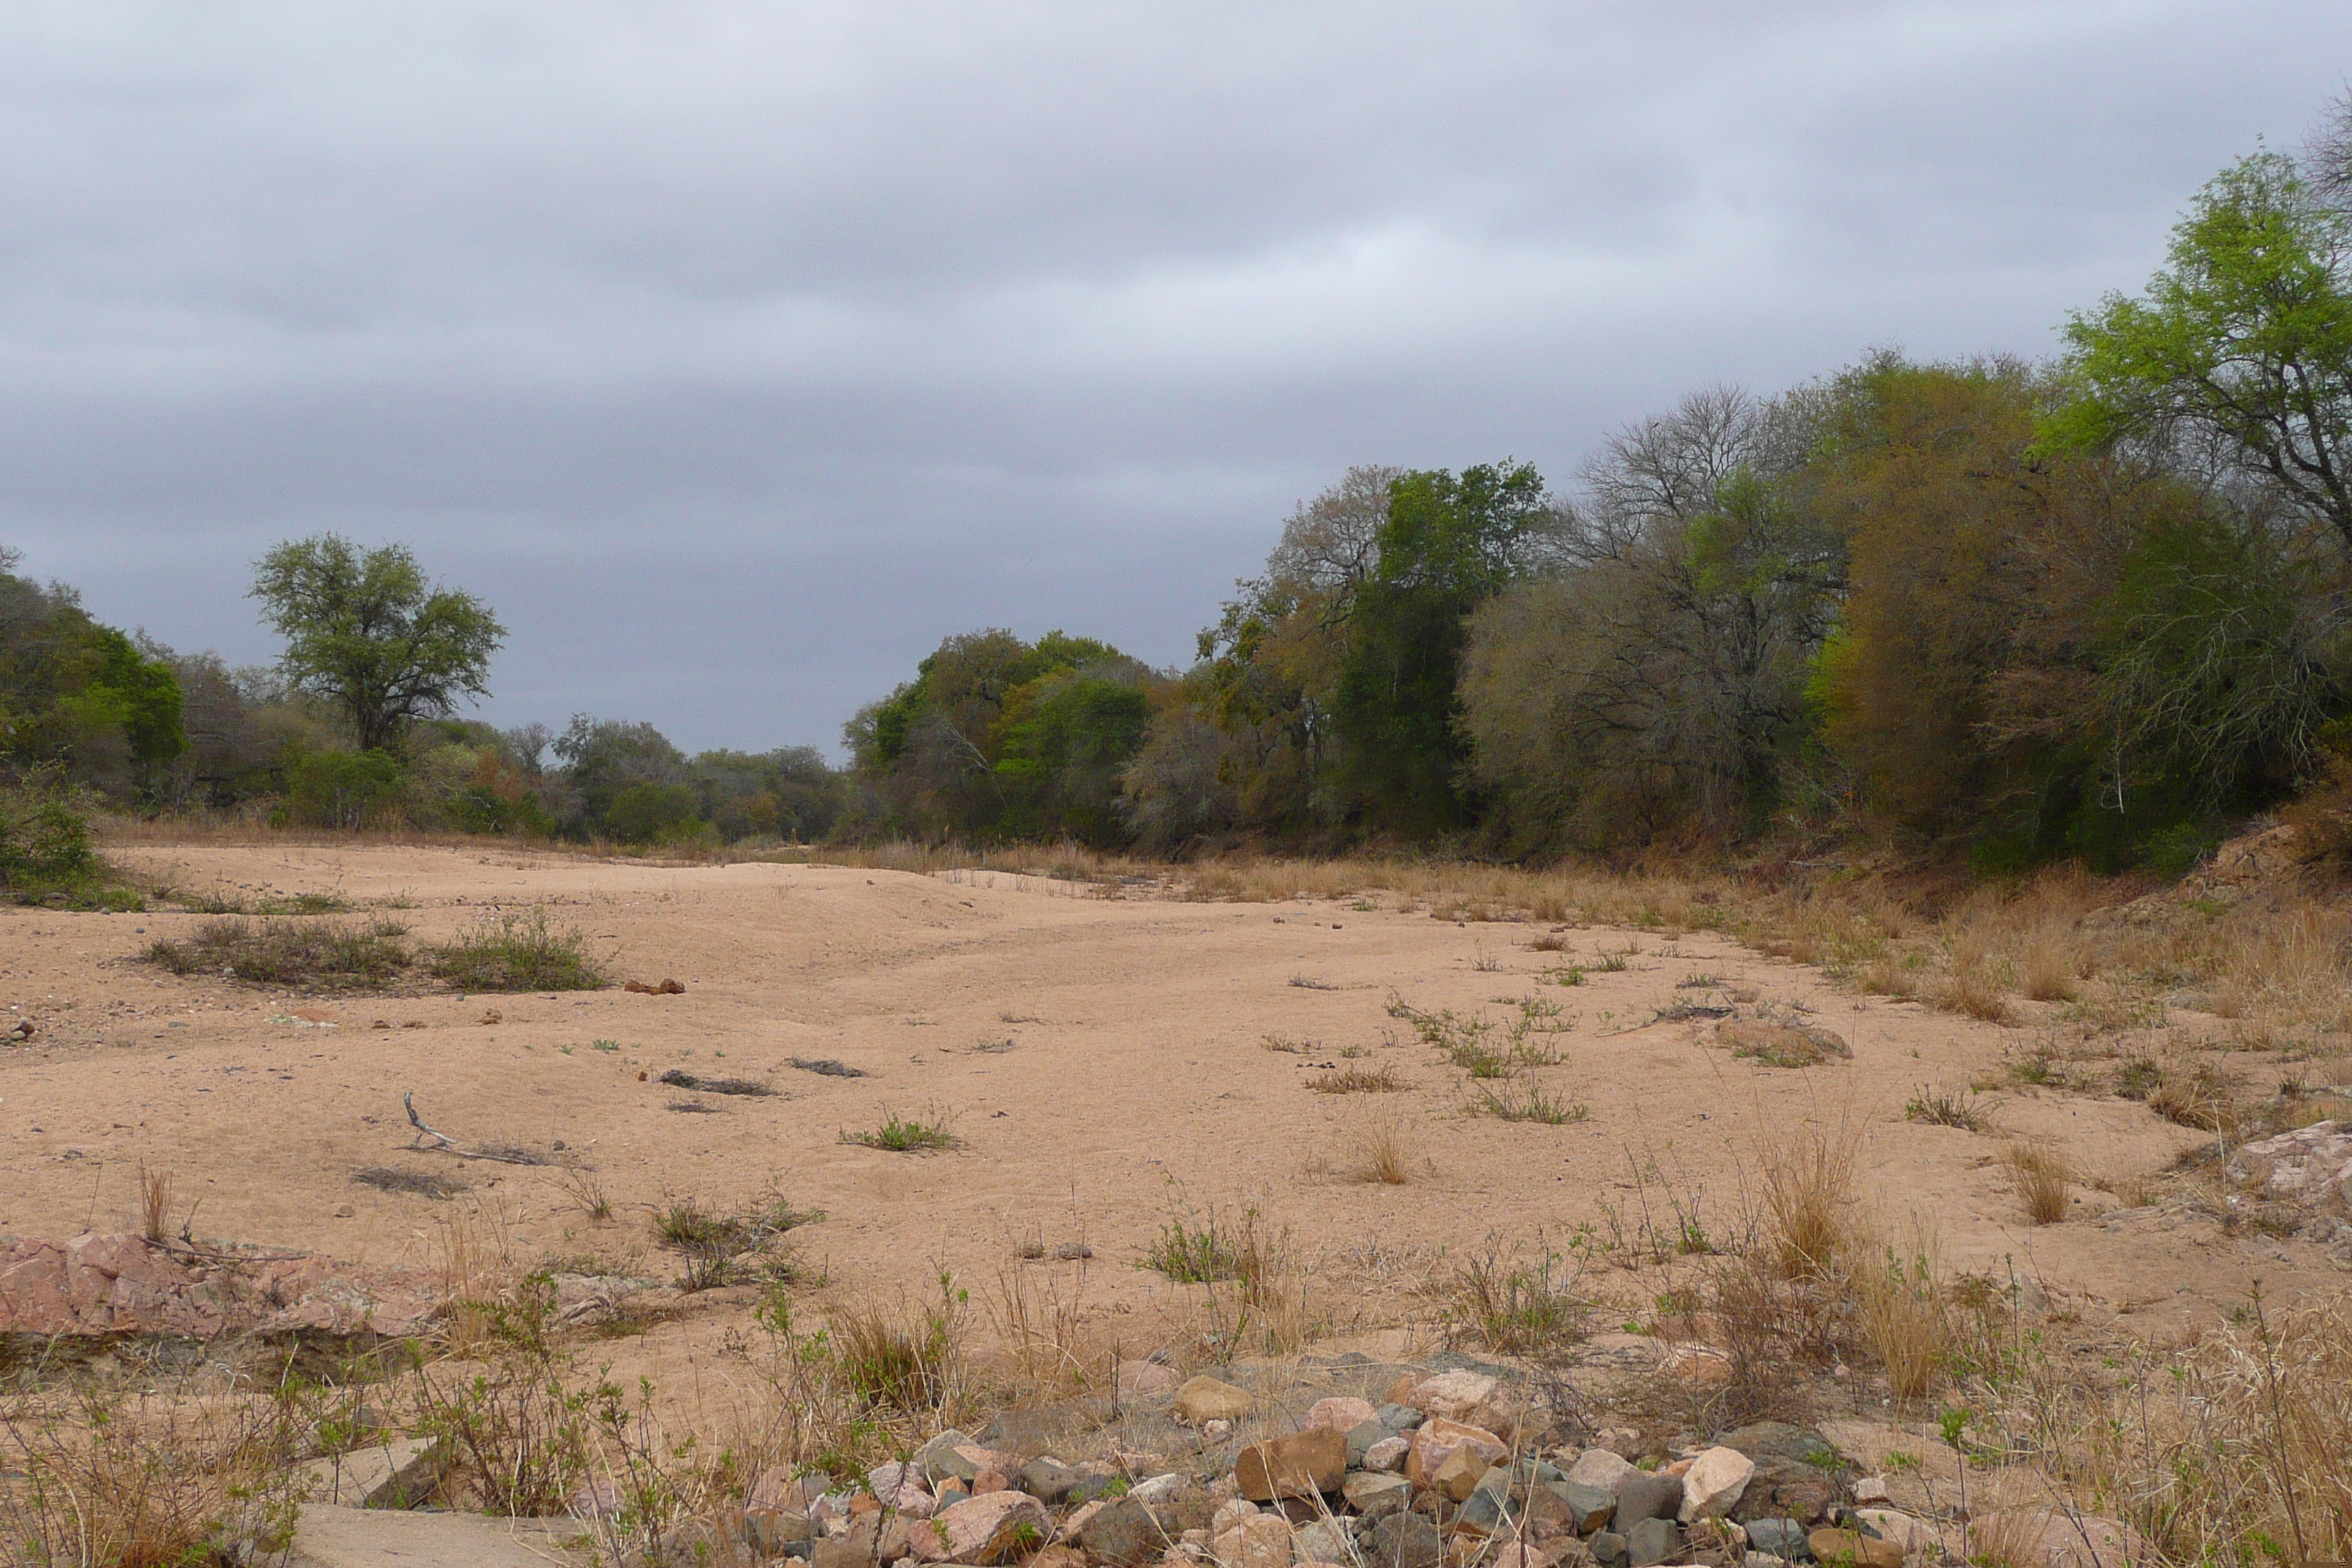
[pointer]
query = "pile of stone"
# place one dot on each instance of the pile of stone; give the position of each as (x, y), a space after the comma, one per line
(1433, 1476)
(103, 1285)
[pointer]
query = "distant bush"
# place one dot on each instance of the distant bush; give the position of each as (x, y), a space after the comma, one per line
(518, 953)
(45, 855)
(345, 789)
(312, 954)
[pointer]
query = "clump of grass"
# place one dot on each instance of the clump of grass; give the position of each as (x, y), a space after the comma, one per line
(585, 1188)
(1309, 983)
(2202, 1098)
(1530, 1104)
(1946, 1107)
(826, 1066)
(716, 1246)
(423, 1184)
(1551, 941)
(678, 1078)
(911, 1362)
(154, 1204)
(905, 1135)
(2138, 1077)
(300, 954)
(1519, 1309)
(518, 953)
(1381, 1152)
(1286, 1045)
(1781, 1045)
(1359, 1081)
(2040, 1179)
(1193, 1254)
(1807, 1188)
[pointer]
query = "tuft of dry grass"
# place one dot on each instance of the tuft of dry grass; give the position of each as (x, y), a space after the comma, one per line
(1518, 1309)
(1382, 1153)
(1354, 1080)
(312, 955)
(154, 1204)
(1807, 1190)
(2041, 1178)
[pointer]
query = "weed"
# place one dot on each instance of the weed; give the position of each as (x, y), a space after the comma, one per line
(1381, 1152)
(908, 1361)
(717, 1246)
(585, 1188)
(2138, 1078)
(1808, 1184)
(2041, 1178)
(1946, 1107)
(1359, 1081)
(1309, 983)
(1286, 1045)
(1519, 1309)
(1531, 1104)
(296, 954)
(518, 953)
(2202, 1098)
(905, 1135)
(604, 1045)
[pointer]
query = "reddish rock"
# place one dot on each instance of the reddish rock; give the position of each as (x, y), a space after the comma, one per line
(1434, 1441)
(991, 1528)
(1340, 1414)
(124, 1284)
(1300, 1465)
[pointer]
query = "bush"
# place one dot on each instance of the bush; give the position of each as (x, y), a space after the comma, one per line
(45, 855)
(518, 953)
(345, 789)
(305, 953)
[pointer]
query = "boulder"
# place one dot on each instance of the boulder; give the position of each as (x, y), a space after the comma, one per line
(1644, 1496)
(1324, 1541)
(1601, 1470)
(1374, 1496)
(1261, 1540)
(1608, 1549)
(1489, 1508)
(994, 1528)
(1158, 1491)
(1397, 1417)
(1452, 1395)
(1712, 1483)
(938, 1460)
(1459, 1475)
(1435, 1440)
(1341, 1415)
(2309, 1166)
(1852, 1549)
(1911, 1535)
(1203, 1399)
(1799, 1474)
(1401, 1540)
(1300, 1465)
(1588, 1508)
(1048, 1480)
(1783, 1538)
(1388, 1455)
(1146, 1380)
(1651, 1541)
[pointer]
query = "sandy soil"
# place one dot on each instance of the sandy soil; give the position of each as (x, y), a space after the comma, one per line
(1102, 1061)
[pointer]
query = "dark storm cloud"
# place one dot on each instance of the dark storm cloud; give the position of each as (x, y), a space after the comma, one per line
(739, 351)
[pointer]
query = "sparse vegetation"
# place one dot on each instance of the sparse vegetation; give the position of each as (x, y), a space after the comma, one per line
(312, 955)
(1947, 1108)
(2041, 1178)
(678, 1078)
(718, 1246)
(1359, 1081)
(518, 953)
(906, 1134)
(421, 1183)
(1518, 1309)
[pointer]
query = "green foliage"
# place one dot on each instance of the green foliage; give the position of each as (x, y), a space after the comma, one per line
(305, 955)
(364, 630)
(346, 789)
(79, 696)
(905, 1135)
(45, 855)
(646, 813)
(518, 953)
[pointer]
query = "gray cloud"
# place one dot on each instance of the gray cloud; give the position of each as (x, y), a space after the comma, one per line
(739, 351)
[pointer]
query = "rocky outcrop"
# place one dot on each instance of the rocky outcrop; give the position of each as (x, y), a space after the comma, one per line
(101, 1285)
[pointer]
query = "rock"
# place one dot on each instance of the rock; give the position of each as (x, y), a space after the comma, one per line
(1401, 1540)
(1146, 1380)
(1589, 1506)
(1048, 1480)
(1156, 1491)
(1852, 1549)
(1651, 1541)
(1341, 1415)
(1799, 1474)
(1230, 1514)
(995, 1528)
(1452, 1395)
(948, 1495)
(1712, 1483)
(1324, 1540)
(1911, 1535)
(1459, 1475)
(1205, 1399)
(1387, 1456)
(1489, 1508)
(1608, 1549)
(1397, 1417)
(119, 1283)
(856, 1550)
(911, 1501)
(1781, 1045)
(1054, 1557)
(1300, 1465)
(1376, 1495)
(1261, 1540)
(2043, 1538)
(985, 1462)
(1435, 1440)
(2309, 1166)
(937, 1461)
(1644, 1496)
(1360, 1439)
(1601, 1470)
(1520, 1554)
(1781, 1538)
(886, 1479)
(1870, 1490)
(399, 1474)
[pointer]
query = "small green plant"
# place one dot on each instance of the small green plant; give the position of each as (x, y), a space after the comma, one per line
(718, 1247)
(1287, 1046)
(905, 1135)
(604, 1045)
(1531, 1104)
(2138, 1077)
(1567, 975)
(1190, 1254)
(518, 953)
(1946, 1107)
(1519, 1309)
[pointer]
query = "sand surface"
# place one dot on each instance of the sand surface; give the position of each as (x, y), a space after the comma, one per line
(1101, 1059)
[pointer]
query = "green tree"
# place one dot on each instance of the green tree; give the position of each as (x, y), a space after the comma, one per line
(80, 695)
(365, 630)
(2245, 335)
(1446, 545)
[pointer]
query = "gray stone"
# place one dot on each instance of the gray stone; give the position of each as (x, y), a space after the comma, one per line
(1651, 1541)
(1799, 1474)
(1125, 1532)
(938, 1460)
(1324, 1540)
(1397, 1417)
(1589, 1507)
(1645, 1496)
(1359, 1441)
(399, 1474)
(1048, 1480)
(1402, 1540)
(1488, 1507)
(1780, 1537)
(1374, 1496)
(1608, 1549)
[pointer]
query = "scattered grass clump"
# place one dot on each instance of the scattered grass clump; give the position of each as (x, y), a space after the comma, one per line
(678, 1078)
(718, 1247)
(1781, 1045)
(1518, 1309)
(1352, 1080)
(308, 955)
(585, 1188)
(1530, 1104)
(2201, 1097)
(1381, 1153)
(422, 1183)
(46, 857)
(1309, 983)
(826, 1066)
(909, 1363)
(1285, 1045)
(1947, 1108)
(2040, 1179)
(518, 953)
(905, 1135)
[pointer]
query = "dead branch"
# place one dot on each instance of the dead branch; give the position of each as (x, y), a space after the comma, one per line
(443, 1142)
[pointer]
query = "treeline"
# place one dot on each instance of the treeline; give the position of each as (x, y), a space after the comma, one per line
(2091, 608)
(2094, 607)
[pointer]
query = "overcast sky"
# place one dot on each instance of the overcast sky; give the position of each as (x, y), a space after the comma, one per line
(737, 353)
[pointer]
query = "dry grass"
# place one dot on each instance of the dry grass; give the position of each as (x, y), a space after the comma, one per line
(1353, 1079)
(154, 1204)
(1808, 1193)
(1382, 1153)
(313, 955)
(2041, 1178)
(1518, 1309)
